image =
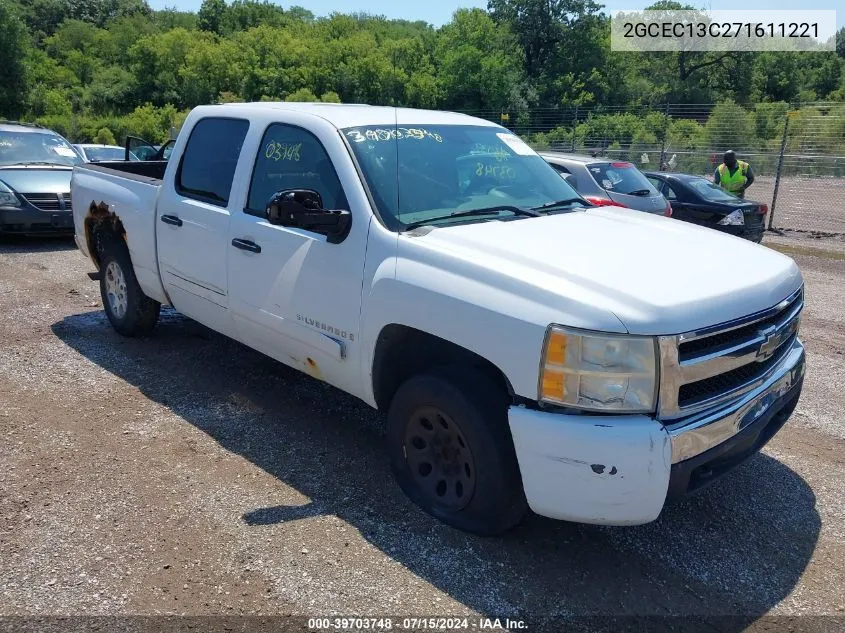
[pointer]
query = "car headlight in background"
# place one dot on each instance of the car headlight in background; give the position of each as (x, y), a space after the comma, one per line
(599, 372)
(8, 197)
(736, 218)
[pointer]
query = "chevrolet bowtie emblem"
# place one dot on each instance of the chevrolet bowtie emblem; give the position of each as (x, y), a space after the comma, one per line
(772, 340)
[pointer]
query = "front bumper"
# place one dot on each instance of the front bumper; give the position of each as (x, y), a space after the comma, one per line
(620, 470)
(28, 219)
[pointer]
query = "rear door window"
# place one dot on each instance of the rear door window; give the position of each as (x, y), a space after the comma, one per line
(208, 165)
(620, 177)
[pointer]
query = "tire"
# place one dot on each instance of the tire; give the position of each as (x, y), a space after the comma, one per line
(450, 427)
(130, 311)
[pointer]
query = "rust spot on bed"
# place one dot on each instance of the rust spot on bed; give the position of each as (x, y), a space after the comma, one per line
(101, 218)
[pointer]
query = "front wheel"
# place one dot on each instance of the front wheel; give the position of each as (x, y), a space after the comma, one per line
(130, 311)
(451, 451)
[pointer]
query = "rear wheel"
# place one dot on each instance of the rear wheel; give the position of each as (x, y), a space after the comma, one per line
(130, 311)
(451, 451)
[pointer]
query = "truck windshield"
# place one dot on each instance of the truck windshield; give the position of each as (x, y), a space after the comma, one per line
(21, 148)
(421, 172)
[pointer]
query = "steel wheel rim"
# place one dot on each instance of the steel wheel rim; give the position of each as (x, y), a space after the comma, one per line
(439, 459)
(116, 289)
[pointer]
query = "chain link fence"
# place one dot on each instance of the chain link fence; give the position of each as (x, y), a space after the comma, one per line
(797, 151)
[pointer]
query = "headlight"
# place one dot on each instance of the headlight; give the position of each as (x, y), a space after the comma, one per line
(7, 196)
(736, 218)
(599, 372)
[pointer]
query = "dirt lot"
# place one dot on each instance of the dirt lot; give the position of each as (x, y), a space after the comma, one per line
(804, 204)
(188, 474)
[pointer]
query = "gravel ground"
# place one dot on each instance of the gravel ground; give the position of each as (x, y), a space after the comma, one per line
(804, 203)
(187, 474)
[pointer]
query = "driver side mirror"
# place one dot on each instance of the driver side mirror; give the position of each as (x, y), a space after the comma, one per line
(569, 178)
(303, 208)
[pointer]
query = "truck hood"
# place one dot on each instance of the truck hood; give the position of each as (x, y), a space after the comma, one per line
(657, 275)
(37, 178)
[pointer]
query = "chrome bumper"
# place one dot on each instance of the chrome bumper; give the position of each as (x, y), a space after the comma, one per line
(699, 433)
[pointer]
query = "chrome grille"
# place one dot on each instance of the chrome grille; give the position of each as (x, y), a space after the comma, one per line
(49, 201)
(706, 368)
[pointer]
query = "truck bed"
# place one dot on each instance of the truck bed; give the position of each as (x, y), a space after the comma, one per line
(141, 170)
(124, 192)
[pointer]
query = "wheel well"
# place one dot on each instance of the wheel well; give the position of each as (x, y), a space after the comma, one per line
(100, 222)
(402, 352)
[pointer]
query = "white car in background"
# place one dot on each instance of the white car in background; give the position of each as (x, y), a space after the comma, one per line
(92, 153)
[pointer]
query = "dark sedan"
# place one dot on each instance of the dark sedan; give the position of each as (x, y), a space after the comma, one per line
(35, 170)
(697, 200)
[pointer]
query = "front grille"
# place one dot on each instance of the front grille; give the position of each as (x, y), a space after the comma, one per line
(715, 343)
(705, 368)
(710, 388)
(46, 201)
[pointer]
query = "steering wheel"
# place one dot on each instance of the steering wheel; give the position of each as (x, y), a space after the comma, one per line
(481, 184)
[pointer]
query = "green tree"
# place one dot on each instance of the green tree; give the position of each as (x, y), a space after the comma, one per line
(207, 71)
(104, 137)
(13, 49)
(159, 62)
(168, 19)
(112, 89)
(302, 95)
(211, 15)
(242, 15)
(85, 65)
(43, 17)
(300, 14)
(540, 25)
(275, 62)
(730, 126)
(480, 65)
(775, 76)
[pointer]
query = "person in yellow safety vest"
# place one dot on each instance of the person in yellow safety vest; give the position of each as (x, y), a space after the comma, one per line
(734, 175)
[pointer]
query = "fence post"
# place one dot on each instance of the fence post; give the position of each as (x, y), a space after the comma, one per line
(663, 142)
(574, 125)
(779, 170)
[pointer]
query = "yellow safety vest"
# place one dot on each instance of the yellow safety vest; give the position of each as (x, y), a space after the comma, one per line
(736, 181)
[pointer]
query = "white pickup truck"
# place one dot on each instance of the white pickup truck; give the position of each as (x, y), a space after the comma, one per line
(531, 350)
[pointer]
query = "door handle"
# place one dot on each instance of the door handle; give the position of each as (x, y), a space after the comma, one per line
(172, 220)
(246, 245)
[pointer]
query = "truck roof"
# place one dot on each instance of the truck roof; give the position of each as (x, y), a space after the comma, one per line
(344, 115)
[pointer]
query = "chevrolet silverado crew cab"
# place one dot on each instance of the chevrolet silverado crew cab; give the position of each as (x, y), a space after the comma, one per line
(530, 349)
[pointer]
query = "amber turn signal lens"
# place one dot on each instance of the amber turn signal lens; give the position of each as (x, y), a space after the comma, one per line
(553, 385)
(556, 348)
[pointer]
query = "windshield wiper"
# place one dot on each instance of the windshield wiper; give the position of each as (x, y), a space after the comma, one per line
(561, 203)
(640, 192)
(476, 212)
(42, 162)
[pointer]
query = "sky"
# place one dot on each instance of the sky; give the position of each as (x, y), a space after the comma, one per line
(438, 12)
